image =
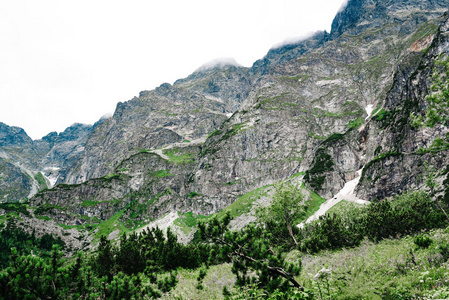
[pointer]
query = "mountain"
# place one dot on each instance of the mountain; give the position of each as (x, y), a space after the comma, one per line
(332, 108)
(189, 110)
(309, 113)
(32, 165)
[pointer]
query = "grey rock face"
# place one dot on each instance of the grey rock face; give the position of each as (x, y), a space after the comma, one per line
(51, 156)
(14, 184)
(13, 136)
(406, 162)
(316, 101)
(188, 110)
(144, 184)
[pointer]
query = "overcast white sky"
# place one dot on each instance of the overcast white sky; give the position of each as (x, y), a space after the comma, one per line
(67, 61)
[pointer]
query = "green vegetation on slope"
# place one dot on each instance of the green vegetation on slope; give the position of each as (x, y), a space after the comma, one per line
(373, 263)
(110, 225)
(188, 221)
(41, 180)
(161, 173)
(13, 237)
(177, 157)
(390, 269)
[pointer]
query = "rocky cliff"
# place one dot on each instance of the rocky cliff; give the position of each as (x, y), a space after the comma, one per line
(28, 165)
(406, 154)
(308, 113)
(186, 111)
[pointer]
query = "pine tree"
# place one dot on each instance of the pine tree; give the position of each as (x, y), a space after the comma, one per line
(284, 211)
(251, 252)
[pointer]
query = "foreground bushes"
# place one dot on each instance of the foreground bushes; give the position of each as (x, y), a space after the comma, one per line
(148, 252)
(406, 214)
(144, 265)
(14, 237)
(113, 272)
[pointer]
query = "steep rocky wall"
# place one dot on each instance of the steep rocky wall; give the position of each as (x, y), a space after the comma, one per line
(143, 186)
(51, 156)
(14, 184)
(404, 151)
(188, 110)
(301, 104)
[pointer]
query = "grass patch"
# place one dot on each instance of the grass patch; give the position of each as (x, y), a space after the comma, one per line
(316, 136)
(324, 113)
(142, 150)
(234, 129)
(214, 133)
(111, 177)
(298, 175)
(313, 205)
(179, 158)
(90, 203)
(161, 173)
(41, 180)
(343, 207)
(355, 123)
(390, 269)
(193, 194)
(110, 225)
(45, 218)
(217, 277)
(188, 221)
(244, 203)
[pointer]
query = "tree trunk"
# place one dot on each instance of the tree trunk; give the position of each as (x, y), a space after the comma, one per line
(289, 227)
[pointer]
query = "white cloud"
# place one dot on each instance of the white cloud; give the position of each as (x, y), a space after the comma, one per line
(343, 6)
(293, 40)
(219, 62)
(106, 116)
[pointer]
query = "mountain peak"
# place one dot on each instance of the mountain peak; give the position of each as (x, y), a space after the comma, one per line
(11, 135)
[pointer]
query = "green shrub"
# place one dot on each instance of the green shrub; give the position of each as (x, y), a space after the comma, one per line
(322, 163)
(15, 207)
(422, 241)
(193, 194)
(406, 214)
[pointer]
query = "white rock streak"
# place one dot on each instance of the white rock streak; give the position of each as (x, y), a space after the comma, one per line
(163, 223)
(52, 175)
(369, 110)
(346, 193)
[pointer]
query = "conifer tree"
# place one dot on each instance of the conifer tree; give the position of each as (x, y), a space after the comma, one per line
(286, 208)
(251, 252)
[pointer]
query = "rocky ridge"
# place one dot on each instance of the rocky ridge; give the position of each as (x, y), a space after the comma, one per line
(41, 163)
